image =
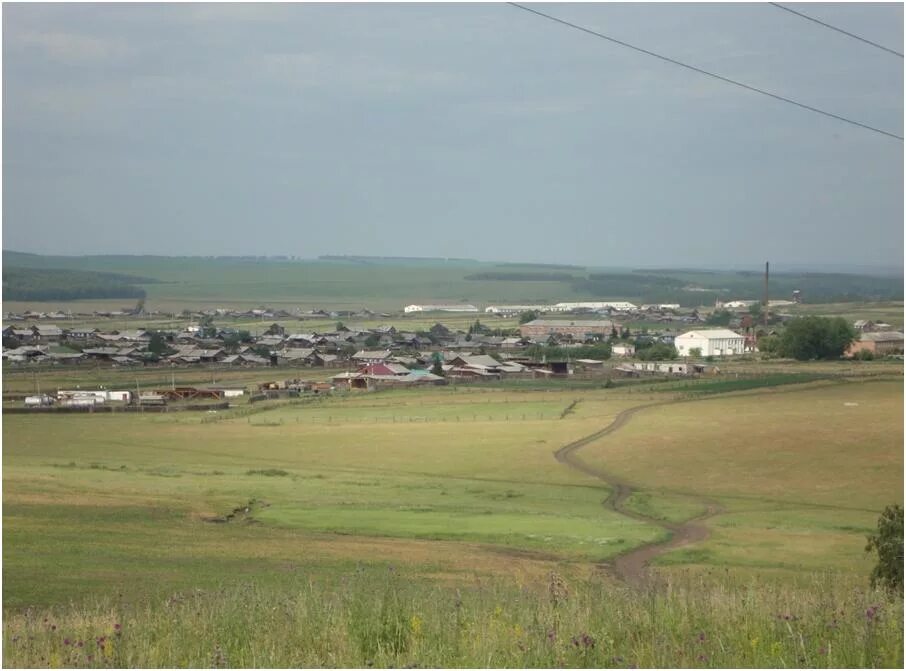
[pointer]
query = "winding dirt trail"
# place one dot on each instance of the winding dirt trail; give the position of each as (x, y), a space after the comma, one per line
(632, 565)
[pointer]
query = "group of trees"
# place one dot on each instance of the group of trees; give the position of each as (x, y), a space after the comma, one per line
(33, 284)
(809, 338)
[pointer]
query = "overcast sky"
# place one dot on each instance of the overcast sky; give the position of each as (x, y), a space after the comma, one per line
(462, 130)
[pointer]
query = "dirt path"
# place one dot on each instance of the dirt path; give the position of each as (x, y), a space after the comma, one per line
(632, 566)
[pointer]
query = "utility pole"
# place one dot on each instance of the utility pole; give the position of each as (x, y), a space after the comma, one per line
(764, 316)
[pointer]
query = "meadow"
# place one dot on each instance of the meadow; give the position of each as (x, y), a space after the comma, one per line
(435, 527)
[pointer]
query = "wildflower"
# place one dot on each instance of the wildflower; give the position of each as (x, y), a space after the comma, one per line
(53, 627)
(117, 626)
(81, 643)
(754, 642)
(66, 641)
(415, 624)
(587, 641)
(703, 658)
(551, 636)
(822, 650)
(701, 637)
(871, 613)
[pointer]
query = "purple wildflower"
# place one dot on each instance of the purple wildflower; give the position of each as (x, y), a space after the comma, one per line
(66, 641)
(701, 637)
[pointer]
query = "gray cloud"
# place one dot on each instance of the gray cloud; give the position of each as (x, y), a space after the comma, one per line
(460, 130)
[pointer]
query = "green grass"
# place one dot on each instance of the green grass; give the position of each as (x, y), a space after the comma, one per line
(379, 615)
(802, 474)
(119, 519)
(319, 468)
(666, 507)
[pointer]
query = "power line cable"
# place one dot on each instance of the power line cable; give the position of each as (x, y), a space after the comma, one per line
(705, 72)
(839, 30)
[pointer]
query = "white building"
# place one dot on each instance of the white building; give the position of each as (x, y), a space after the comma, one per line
(711, 342)
(594, 305)
(736, 305)
(515, 309)
(456, 307)
(623, 350)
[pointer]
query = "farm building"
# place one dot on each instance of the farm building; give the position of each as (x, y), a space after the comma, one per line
(711, 342)
(39, 400)
(440, 307)
(879, 342)
(99, 396)
(663, 367)
(595, 305)
(515, 309)
(578, 329)
(623, 350)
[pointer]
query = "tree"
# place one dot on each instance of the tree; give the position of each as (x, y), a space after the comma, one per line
(158, 344)
(888, 543)
(719, 318)
(373, 340)
(657, 352)
(437, 367)
(695, 352)
(528, 316)
(768, 344)
(807, 338)
(613, 333)
(755, 311)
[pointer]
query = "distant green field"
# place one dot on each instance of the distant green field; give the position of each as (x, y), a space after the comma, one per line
(389, 285)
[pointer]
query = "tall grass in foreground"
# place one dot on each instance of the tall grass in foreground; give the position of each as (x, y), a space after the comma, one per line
(379, 617)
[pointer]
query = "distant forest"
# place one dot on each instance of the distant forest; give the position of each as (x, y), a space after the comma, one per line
(34, 284)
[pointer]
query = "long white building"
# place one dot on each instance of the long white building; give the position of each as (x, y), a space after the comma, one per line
(594, 305)
(440, 307)
(711, 342)
(513, 309)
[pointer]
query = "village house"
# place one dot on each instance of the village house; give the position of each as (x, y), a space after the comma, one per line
(371, 356)
(878, 343)
(577, 329)
(623, 349)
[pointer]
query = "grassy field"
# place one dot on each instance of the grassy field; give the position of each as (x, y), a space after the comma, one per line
(447, 464)
(802, 475)
(454, 493)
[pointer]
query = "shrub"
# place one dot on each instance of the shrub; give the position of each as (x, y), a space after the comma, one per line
(888, 542)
